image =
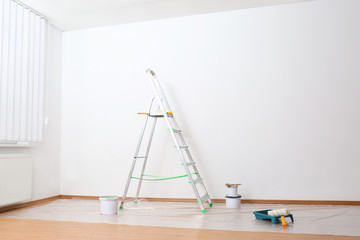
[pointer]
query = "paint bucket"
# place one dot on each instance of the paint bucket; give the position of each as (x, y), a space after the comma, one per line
(233, 202)
(109, 204)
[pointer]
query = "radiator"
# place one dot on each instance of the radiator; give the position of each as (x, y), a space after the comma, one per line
(15, 178)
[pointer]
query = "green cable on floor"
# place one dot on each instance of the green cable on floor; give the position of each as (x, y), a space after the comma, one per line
(159, 178)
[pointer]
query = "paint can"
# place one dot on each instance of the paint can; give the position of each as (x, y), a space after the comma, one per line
(233, 199)
(109, 205)
(233, 202)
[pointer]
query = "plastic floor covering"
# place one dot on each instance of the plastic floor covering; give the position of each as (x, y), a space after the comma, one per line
(311, 219)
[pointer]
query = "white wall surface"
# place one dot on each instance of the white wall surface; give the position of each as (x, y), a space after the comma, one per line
(46, 155)
(267, 97)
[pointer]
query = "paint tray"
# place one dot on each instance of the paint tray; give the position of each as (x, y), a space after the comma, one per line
(262, 215)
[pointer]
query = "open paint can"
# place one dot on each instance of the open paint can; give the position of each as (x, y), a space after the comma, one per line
(109, 204)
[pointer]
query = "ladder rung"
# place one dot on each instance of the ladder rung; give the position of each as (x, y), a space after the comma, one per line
(197, 180)
(205, 198)
(189, 163)
(141, 157)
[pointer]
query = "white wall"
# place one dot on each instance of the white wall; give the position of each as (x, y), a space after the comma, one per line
(46, 155)
(267, 97)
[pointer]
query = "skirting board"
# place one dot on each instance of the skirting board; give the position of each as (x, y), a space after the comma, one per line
(254, 201)
(28, 204)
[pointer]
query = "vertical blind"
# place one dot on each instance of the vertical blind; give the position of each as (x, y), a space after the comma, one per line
(22, 70)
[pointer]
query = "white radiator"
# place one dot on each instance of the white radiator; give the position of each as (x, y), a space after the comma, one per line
(15, 178)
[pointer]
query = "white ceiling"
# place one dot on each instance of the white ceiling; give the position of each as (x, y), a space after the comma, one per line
(76, 14)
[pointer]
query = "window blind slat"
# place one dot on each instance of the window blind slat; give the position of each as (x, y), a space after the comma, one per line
(18, 66)
(30, 79)
(24, 74)
(42, 73)
(36, 79)
(11, 73)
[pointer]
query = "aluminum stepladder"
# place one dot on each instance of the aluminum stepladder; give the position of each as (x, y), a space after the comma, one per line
(192, 173)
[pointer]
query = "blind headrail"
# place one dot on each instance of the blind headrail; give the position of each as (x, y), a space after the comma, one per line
(31, 9)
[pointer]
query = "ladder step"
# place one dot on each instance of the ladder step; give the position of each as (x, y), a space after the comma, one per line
(189, 163)
(176, 130)
(141, 157)
(205, 198)
(183, 147)
(197, 180)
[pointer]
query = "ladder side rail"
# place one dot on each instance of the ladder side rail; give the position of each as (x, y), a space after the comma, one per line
(127, 183)
(182, 139)
(133, 164)
(182, 158)
(176, 126)
(143, 129)
(158, 89)
(166, 106)
(135, 156)
(161, 94)
(189, 155)
(146, 158)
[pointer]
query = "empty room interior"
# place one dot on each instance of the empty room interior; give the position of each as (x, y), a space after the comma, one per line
(179, 119)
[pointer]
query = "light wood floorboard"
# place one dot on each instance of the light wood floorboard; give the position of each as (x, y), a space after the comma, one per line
(15, 229)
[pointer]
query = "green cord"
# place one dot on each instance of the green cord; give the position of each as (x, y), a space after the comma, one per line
(158, 178)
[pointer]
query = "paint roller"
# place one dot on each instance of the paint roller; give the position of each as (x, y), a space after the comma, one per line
(278, 212)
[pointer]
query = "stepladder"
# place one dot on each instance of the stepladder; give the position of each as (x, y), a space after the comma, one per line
(159, 108)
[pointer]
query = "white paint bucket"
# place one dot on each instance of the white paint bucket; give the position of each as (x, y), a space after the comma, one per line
(109, 204)
(233, 202)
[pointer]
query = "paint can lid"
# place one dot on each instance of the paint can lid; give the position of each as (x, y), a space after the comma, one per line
(108, 198)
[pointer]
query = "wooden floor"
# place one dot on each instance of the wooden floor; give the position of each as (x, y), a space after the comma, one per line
(11, 229)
